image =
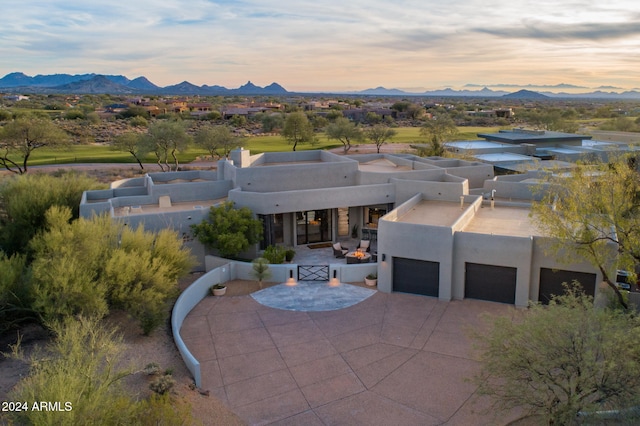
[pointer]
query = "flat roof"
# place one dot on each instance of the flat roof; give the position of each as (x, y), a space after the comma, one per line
(564, 151)
(479, 144)
(435, 213)
(175, 207)
(503, 220)
(382, 165)
(503, 156)
(287, 163)
(532, 136)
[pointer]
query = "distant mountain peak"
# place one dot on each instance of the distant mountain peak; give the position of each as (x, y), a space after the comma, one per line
(525, 94)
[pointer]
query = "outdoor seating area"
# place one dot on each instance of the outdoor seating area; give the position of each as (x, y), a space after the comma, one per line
(337, 253)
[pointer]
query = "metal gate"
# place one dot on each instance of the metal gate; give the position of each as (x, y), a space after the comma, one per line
(313, 272)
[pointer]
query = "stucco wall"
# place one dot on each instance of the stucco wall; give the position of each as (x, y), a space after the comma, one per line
(188, 299)
(433, 190)
(292, 201)
(296, 176)
(414, 241)
(542, 258)
(498, 250)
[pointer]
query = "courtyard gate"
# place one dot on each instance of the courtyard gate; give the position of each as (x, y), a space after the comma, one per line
(313, 272)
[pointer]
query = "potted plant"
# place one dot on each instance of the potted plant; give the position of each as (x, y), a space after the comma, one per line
(289, 254)
(218, 289)
(371, 280)
(354, 231)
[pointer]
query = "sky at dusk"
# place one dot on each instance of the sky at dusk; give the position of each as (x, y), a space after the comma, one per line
(414, 45)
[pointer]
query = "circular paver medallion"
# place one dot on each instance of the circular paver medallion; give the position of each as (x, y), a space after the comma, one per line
(312, 296)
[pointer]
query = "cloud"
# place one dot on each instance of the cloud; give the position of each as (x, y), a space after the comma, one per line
(331, 43)
(548, 31)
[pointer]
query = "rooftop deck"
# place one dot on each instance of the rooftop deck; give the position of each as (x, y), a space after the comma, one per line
(503, 220)
(175, 207)
(382, 165)
(434, 213)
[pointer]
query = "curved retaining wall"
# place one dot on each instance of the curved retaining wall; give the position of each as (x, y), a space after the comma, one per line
(185, 303)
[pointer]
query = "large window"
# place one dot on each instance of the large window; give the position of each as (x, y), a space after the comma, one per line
(273, 230)
(372, 215)
(313, 226)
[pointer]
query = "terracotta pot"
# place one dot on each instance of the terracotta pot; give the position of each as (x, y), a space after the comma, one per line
(219, 291)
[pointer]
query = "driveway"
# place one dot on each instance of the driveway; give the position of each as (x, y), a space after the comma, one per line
(392, 359)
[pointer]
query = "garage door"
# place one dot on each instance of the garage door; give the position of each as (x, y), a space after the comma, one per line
(416, 276)
(551, 282)
(490, 282)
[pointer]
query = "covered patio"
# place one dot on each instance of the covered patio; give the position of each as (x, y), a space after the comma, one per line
(306, 255)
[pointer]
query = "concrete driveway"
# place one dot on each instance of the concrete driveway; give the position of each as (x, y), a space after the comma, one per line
(393, 359)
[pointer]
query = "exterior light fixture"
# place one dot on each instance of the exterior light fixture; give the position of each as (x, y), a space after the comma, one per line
(384, 257)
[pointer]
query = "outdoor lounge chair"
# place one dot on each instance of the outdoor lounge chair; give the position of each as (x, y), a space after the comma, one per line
(365, 245)
(339, 251)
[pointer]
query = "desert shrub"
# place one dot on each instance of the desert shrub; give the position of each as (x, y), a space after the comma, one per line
(77, 368)
(275, 254)
(229, 230)
(25, 199)
(89, 265)
(162, 384)
(289, 254)
(15, 301)
(161, 410)
(139, 121)
(562, 359)
(151, 369)
(66, 268)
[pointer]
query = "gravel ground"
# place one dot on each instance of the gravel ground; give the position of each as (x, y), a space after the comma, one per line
(139, 351)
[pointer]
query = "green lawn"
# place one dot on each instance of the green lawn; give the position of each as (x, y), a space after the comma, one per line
(257, 144)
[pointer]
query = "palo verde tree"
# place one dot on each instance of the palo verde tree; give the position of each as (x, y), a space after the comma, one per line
(83, 369)
(88, 266)
(20, 137)
(379, 134)
(218, 141)
(298, 129)
(439, 129)
(130, 142)
(166, 139)
(25, 199)
(563, 359)
(593, 214)
(345, 131)
(229, 230)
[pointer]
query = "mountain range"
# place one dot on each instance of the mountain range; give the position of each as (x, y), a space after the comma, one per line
(121, 85)
(18, 82)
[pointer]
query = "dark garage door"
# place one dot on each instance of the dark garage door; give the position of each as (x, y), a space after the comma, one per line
(416, 276)
(551, 282)
(489, 282)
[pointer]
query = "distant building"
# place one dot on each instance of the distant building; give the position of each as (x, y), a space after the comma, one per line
(16, 98)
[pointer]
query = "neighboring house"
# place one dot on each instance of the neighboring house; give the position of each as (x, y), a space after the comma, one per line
(16, 98)
(437, 231)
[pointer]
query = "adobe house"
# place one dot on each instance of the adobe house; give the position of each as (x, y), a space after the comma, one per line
(437, 231)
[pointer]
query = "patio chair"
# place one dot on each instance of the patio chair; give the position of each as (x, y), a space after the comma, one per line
(339, 251)
(365, 245)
